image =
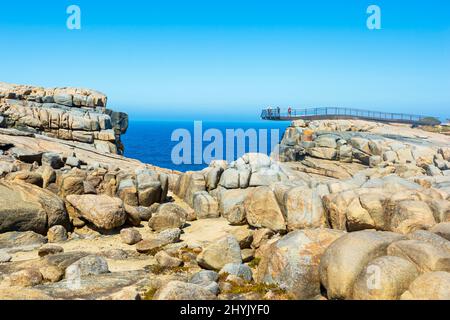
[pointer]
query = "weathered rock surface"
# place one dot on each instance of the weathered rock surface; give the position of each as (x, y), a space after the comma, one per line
(168, 216)
(89, 265)
(25, 207)
(177, 290)
(218, 254)
(130, 236)
(346, 258)
(293, 261)
(425, 256)
(384, 278)
(429, 286)
(103, 211)
(57, 234)
(64, 113)
(262, 210)
(205, 206)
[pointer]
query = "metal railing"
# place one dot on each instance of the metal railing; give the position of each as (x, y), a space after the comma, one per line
(340, 113)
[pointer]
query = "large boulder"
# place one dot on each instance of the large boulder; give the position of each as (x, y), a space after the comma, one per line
(303, 208)
(205, 206)
(430, 237)
(28, 177)
(429, 286)
(212, 177)
(25, 207)
(168, 216)
(71, 182)
(231, 205)
(103, 211)
(410, 215)
(149, 189)
(29, 240)
(382, 204)
(127, 191)
(384, 278)
(230, 179)
(89, 265)
(322, 153)
(425, 256)
(152, 187)
(346, 258)
(188, 184)
(292, 263)
(442, 229)
(262, 210)
(348, 210)
(219, 253)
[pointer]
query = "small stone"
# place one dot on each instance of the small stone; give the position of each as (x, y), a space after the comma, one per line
(240, 270)
(57, 234)
(219, 253)
(115, 254)
(25, 278)
(235, 280)
(165, 260)
(49, 249)
(52, 273)
(169, 236)
(168, 216)
(145, 213)
(90, 265)
(204, 277)
(130, 236)
(149, 246)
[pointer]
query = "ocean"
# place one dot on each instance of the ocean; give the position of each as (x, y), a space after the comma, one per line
(151, 141)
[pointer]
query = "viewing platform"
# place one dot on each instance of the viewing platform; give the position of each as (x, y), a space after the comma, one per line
(346, 113)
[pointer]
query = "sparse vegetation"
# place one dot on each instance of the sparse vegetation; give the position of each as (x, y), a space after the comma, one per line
(254, 263)
(157, 269)
(430, 121)
(149, 294)
(258, 288)
(437, 129)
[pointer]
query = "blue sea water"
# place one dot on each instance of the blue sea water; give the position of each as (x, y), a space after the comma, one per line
(151, 141)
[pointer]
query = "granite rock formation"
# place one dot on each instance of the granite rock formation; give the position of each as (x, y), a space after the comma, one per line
(72, 114)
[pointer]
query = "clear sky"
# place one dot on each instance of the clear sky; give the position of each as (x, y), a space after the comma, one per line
(228, 59)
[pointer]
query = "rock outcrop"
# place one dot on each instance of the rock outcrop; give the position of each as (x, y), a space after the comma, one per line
(72, 114)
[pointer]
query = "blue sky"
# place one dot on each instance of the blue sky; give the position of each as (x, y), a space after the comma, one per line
(227, 59)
